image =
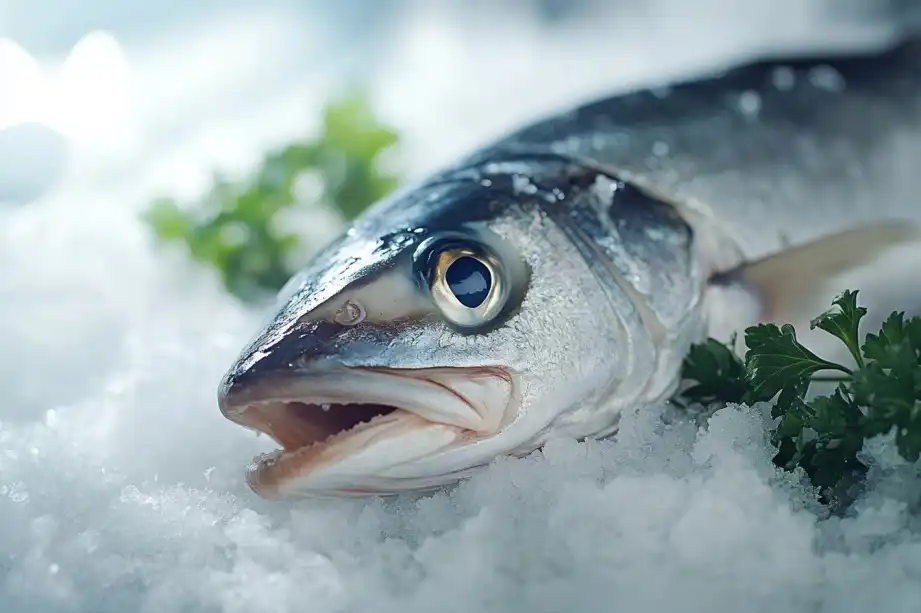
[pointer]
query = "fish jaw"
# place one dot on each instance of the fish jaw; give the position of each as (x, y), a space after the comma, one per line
(342, 429)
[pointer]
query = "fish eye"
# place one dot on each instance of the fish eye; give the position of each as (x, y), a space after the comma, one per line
(467, 284)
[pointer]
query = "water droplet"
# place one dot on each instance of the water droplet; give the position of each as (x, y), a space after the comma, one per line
(783, 78)
(604, 189)
(326, 406)
(660, 148)
(749, 103)
(827, 78)
(522, 185)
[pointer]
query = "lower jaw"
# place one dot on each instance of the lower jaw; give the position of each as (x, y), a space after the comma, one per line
(323, 469)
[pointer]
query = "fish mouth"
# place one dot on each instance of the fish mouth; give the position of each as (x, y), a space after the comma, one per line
(323, 420)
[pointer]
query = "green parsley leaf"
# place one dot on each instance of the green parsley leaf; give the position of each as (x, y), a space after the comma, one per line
(881, 347)
(718, 374)
(775, 360)
(824, 435)
(843, 322)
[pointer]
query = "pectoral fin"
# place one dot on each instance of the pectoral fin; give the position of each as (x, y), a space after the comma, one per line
(784, 281)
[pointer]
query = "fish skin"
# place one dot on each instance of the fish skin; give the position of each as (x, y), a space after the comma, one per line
(832, 133)
(619, 212)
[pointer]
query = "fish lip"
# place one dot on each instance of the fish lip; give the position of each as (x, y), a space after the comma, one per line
(475, 411)
(321, 387)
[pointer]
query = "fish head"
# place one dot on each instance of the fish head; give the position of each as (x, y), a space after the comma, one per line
(454, 323)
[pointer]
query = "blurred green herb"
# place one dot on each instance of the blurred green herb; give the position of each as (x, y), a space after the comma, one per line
(823, 434)
(239, 228)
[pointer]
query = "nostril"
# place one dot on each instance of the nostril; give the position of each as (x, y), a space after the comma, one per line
(350, 314)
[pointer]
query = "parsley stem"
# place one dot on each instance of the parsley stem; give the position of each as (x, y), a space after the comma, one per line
(844, 369)
(857, 357)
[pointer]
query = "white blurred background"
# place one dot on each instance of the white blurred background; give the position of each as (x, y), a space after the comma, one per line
(155, 94)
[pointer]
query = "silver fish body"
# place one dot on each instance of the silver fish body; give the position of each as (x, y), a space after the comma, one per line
(548, 282)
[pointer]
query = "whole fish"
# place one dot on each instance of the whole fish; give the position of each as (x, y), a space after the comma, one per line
(555, 278)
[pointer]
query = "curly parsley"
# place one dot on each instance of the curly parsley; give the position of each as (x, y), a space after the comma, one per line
(823, 435)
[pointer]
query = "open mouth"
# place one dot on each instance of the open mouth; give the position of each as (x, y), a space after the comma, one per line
(320, 419)
(295, 425)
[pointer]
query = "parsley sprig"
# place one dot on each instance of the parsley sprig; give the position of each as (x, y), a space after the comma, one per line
(823, 434)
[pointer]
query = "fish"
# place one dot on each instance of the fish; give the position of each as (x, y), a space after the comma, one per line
(544, 284)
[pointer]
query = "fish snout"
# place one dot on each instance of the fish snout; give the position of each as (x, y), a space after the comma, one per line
(273, 356)
(343, 426)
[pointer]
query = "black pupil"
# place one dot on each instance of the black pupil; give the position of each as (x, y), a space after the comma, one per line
(469, 280)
